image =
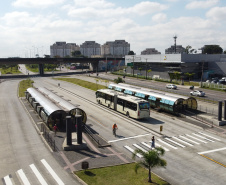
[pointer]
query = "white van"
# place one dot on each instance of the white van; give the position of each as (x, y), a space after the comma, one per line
(223, 78)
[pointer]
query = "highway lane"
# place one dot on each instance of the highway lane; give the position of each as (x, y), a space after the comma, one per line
(189, 148)
(183, 90)
(21, 147)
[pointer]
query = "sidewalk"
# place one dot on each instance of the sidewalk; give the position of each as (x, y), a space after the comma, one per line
(72, 160)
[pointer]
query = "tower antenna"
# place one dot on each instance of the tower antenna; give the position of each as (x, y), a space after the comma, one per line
(175, 43)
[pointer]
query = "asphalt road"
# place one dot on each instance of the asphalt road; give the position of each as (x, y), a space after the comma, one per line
(183, 90)
(21, 148)
(194, 152)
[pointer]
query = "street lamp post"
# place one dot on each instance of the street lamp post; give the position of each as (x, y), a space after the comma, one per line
(146, 67)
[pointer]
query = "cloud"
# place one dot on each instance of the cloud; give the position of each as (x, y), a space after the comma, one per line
(36, 3)
(160, 17)
(100, 4)
(201, 4)
(217, 13)
(86, 11)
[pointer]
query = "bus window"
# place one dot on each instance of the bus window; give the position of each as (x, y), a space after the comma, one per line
(144, 106)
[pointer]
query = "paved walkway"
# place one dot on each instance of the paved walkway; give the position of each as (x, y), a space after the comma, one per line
(71, 160)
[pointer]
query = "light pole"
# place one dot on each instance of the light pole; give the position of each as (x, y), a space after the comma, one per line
(202, 72)
(146, 67)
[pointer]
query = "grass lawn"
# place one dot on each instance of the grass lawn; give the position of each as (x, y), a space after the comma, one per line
(36, 70)
(83, 83)
(24, 84)
(118, 175)
(9, 70)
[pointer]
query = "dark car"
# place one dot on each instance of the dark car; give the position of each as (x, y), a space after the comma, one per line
(221, 82)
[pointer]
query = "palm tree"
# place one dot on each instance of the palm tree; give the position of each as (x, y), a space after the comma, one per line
(151, 159)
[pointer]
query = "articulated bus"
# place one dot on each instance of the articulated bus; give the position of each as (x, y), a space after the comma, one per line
(131, 106)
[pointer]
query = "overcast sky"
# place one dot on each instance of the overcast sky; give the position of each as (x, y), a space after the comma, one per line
(28, 27)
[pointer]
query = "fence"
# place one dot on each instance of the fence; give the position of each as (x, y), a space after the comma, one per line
(49, 138)
(213, 85)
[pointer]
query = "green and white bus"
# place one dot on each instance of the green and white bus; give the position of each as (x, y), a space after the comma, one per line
(131, 106)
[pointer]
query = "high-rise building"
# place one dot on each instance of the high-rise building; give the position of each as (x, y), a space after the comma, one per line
(117, 48)
(63, 49)
(89, 48)
(150, 51)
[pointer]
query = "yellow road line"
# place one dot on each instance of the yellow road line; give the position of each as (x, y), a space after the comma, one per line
(213, 160)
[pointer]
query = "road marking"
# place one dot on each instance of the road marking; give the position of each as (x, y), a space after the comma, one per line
(139, 147)
(182, 141)
(189, 140)
(175, 142)
(210, 151)
(156, 144)
(209, 136)
(132, 137)
(38, 175)
(203, 137)
(8, 180)
(167, 144)
(55, 176)
(23, 177)
(132, 150)
(213, 160)
(196, 138)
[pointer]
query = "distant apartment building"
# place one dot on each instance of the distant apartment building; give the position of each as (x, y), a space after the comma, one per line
(89, 48)
(150, 51)
(117, 48)
(171, 50)
(63, 49)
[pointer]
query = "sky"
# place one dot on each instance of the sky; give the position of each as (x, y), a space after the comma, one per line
(29, 27)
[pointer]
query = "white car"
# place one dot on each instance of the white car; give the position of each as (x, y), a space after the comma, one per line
(197, 93)
(171, 86)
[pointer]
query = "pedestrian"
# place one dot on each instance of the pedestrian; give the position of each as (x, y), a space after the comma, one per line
(55, 129)
(114, 127)
(153, 142)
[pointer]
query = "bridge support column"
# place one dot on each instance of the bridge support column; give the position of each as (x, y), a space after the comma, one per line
(220, 111)
(41, 69)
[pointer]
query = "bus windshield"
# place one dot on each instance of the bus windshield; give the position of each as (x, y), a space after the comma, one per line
(144, 106)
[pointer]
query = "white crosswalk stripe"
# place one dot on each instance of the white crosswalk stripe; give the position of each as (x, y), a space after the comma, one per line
(167, 144)
(156, 144)
(203, 137)
(7, 180)
(189, 140)
(175, 142)
(182, 141)
(209, 136)
(139, 147)
(51, 171)
(196, 138)
(38, 175)
(23, 177)
(132, 150)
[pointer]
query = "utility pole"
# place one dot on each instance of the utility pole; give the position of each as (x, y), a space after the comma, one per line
(202, 72)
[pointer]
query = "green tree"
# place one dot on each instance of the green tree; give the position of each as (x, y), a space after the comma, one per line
(189, 75)
(131, 53)
(225, 52)
(151, 159)
(119, 80)
(149, 70)
(177, 75)
(212, 49)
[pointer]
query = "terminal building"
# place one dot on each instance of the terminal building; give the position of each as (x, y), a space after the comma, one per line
(205, 65)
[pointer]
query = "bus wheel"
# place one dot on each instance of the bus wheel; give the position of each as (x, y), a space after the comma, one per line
(127, 114)
(108, 105)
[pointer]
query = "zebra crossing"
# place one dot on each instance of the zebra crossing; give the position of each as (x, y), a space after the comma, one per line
(175, 142)
(26, 178)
